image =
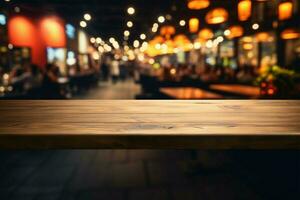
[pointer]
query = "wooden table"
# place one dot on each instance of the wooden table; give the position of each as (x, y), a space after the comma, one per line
(224, 124)
(244, 90)
(185, 93)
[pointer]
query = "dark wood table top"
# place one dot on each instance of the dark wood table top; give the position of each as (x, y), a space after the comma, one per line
(209, 124)
(185, 93)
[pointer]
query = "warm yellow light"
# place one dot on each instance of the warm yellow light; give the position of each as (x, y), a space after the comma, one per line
(173, 71)
(136, 43)
(161, 19)
(182, 23)
(157, 46)
(151, 61)
(244, 10)
(93, 40)
(126, 33)
(129, 24)
(87, 17)
(143, 36)
(197, 45)
(248, 46)
(255, 26)
(111, 40)
(285, 10)
(130, 10)
(227, 32)
(198, 4)
(98, 40)
(247, 39)
(100, 49)
(154, 29)
(216, 16)
(290, 34)
(194, 25)
(83, 24)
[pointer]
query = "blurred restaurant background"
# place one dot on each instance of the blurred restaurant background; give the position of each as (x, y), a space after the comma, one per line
(187, 49)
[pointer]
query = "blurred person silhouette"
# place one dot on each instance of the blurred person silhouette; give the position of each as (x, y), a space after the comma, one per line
(51, 86)
(123, 71)
(105, 71)
(34, 83)
(115, 71)
(246, 74)
(1, 75)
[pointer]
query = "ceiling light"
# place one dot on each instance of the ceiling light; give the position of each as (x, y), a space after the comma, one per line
(83, 24)
(130, 10)
(182, 23)
(154, 29)
(255, 26)
(87, 17)
(93, 40)
(112, 40)
(227, 32)
(129, 24)
(126, 33)
(161, 19)
(98, 40)
(136, 43)
(143, 36)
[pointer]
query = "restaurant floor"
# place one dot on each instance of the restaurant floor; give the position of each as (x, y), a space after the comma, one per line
(107, 90)
(149, 174)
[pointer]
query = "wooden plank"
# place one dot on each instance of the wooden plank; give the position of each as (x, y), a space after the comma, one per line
(215, 124)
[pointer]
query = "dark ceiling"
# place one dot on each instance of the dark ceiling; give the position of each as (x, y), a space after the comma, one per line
(110, 16)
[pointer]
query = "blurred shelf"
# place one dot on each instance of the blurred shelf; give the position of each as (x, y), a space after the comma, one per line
(206, 124)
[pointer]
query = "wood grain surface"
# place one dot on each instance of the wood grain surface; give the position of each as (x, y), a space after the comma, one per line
(209, 124)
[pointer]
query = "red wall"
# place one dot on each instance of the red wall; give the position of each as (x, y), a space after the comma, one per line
(38, 34)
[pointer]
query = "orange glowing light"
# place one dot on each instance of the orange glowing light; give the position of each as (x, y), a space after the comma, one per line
(285, 10)
(22, 31)
(248, 46)
(173, 71)
(194, 25)
(244, 10)
(158, 39)
(181, 41)
(198, 4)
(264, 37)
(290, 34)
(235, 31)
(167, 31)
(271, 91)
(264, 85)
(53, 32)
(216, 16)
(205, 34)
